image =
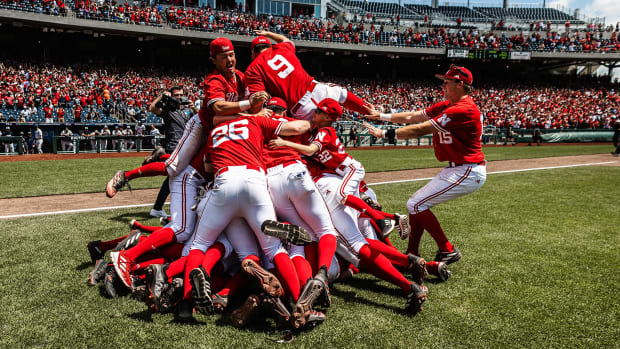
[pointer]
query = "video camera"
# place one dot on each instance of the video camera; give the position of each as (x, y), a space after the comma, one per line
(171, 103)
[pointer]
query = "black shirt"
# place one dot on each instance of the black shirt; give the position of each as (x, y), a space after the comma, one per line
(174, 125)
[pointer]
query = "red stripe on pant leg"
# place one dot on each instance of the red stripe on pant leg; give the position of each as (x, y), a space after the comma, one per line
(459, 181)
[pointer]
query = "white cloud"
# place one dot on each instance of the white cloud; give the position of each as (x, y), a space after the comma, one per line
(610, 9)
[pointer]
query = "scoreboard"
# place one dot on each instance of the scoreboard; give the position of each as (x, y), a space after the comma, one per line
(488, 54)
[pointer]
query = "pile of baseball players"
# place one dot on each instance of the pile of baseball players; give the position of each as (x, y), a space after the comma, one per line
(267, 208)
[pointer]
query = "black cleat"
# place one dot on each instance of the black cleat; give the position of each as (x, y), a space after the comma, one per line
(171, 295)
(155, 281)
(402, 225)
(448, 257)
(220, 302)
(95, 252)
(315, 318)
(268, 282)
(324, 299)
(276, 308)
(311, 291)
(201, 290)
(385, 226)
(111, 282)
(98, 273)
(244, 314)
(291, 233)
(130, 241)
(416, 298)
(417, 267)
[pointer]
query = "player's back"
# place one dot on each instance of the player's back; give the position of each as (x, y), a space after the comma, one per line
(279, 72)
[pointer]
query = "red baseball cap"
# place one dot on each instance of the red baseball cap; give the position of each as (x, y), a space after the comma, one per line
(259, 40)
(457, 73)
(332, 108)
(220, 45)
(277, 101)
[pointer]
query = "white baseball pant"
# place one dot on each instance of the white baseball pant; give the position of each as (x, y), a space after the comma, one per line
(305, 107)
(237, 192)
(298, 200)
(450, 183)
(352, 173)
(183, 190)
(192, 140)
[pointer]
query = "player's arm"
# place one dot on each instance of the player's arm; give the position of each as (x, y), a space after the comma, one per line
(307, 150)
(411, 131)
(262, 112)
(273, 36)
(407, 117)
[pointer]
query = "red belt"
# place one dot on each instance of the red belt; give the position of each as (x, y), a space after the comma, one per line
(296, 107)
(247, 167)
(452, 164)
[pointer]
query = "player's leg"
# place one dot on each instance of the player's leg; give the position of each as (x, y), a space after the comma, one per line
(449, 184)
(193, 138)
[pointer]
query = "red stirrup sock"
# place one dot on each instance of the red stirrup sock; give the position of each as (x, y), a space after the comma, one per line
(233, 285)
(148, 170)
(110, 244)
(213, 255)
(326, 250)
(147, 260)
(191, 262)
(381, 267)
(175, 268)
(394, 255)
(164, 157)
(416, 235)
(361, 206)
(156, 240)
(172, 251)
(303, 268)
(288, 275)
(146, 228)
(428, 220)
(312, 255)
(355, 103)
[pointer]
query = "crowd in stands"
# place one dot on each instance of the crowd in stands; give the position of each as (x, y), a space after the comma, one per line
(540, 37)
(88, 94)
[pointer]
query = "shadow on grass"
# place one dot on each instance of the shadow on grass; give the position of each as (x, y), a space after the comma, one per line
(127, 217)
(144, 316)
(84, 265)
(370, 285)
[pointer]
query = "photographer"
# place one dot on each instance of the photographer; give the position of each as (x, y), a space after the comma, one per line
(170, 106)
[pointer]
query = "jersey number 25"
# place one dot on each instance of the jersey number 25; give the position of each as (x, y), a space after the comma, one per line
(235, 130)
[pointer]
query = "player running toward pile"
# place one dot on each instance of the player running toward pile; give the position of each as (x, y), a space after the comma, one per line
(456, 126)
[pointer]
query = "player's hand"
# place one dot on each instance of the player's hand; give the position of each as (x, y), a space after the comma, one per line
(377, 132)
(372, 112)
(276, 143)
(264, 112)
(262, 32)
(259, 98)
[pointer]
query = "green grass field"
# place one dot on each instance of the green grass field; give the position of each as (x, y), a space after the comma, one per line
(539, 269)
(35, 178)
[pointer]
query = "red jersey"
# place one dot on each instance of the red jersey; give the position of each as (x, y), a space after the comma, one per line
(331, 152)
(218, 88)
(240, 141)
(278, 72)
(282, 155)
(460, 131)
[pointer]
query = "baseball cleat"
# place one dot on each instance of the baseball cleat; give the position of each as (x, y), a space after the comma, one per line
(415, 298)
(155, 281)
(276, 308)
(268, 282)
(402, 225)
(448, 257)
(154, 155)
(98, 273)
(243, 315)
(115, 184)
(385, 226)
(164, 220)
(110, 282)
(130, 241)
(184, 312)
(159, 213)
(291, 233)
(171, 294)
(371, 202)
(201, 290)
(315, 318)
(220, 302)
(439, 269)
(324, 298)
(417, 267)
(123, 267)
(132, 224)
(94, 251)
(311, 291)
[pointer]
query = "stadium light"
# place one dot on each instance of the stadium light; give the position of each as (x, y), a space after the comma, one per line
(327, 53)
(45, 29)
(95, 35)
(182, 42)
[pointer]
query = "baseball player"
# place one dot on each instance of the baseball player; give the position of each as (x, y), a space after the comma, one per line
(277, 71)
(240, 190)
(38, 137)
(327, 149)
(66, 143)
(129, 142)
(9, 147)
(223, 89)
(456, 126)
(105, 132)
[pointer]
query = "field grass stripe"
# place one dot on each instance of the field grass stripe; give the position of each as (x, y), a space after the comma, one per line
(75, 211)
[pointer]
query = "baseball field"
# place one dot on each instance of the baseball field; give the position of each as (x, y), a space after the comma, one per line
(540, 260)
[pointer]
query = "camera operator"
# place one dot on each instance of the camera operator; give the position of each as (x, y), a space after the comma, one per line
(170, 106)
